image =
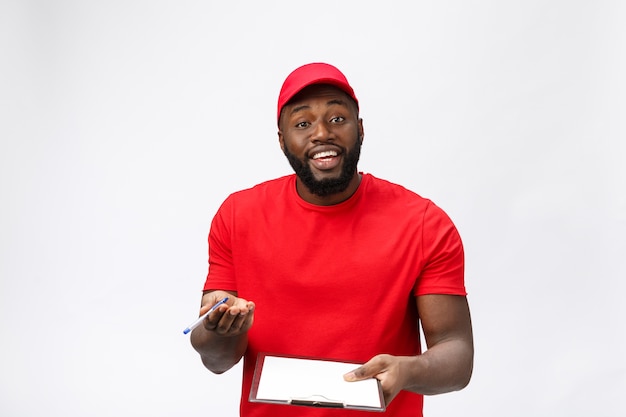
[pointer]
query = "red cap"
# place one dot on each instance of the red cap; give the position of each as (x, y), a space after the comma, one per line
(309, 74)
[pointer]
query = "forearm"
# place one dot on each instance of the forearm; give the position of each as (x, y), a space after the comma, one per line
(443, 368)
(218, 353)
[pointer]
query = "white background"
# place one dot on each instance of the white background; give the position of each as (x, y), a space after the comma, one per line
(124, 124)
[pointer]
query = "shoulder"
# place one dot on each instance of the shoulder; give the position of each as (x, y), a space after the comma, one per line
(404, 202)
(386, 186)
(260, 194)
(388, 192)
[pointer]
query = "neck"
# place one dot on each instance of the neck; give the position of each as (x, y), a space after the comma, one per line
(328, 200)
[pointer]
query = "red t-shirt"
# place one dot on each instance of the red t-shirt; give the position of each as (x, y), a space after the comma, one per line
(336, 282)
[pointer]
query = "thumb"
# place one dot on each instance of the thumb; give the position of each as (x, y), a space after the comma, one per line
(357, 374)
(370, 369)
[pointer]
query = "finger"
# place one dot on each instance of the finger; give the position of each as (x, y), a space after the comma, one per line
(370, 369)
(360, 373)
(212, 298)
(213, 319)
(241, 323)
(233, 320)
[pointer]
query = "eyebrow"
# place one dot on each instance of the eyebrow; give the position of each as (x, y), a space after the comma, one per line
(329, 103)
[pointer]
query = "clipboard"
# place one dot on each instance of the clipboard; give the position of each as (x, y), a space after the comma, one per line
(311, 382)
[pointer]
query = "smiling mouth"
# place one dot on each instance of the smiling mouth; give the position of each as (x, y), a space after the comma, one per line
(326, 160)
(324, 155)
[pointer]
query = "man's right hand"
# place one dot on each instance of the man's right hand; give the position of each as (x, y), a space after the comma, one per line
(222, 339)
(231, 319)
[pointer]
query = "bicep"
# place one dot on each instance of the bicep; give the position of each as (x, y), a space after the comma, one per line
(444, 318)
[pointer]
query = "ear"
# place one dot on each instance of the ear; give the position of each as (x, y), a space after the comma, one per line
(281, 140)
(361, 130)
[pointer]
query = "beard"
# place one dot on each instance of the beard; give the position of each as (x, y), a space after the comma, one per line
(326, 186)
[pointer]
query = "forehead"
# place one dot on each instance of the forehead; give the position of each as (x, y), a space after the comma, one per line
(321, 91)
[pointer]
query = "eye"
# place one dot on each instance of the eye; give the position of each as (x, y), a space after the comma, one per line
(302, 125)
(337, 119)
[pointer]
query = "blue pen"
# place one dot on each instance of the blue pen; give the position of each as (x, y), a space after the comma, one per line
(204, 316)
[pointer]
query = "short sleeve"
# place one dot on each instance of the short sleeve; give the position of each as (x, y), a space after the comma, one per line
(442, 251)
(221, 271)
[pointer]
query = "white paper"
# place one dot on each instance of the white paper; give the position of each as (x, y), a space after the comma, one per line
(286, 379)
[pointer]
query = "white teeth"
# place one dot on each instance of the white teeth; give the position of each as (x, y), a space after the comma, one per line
(325, 154)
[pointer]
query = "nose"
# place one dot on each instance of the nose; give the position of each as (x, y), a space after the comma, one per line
(320, 133)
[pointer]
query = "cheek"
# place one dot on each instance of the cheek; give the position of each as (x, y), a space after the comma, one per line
(347, 130)
(294, 143)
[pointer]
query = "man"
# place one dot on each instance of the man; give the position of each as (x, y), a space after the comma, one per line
(334, 263)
